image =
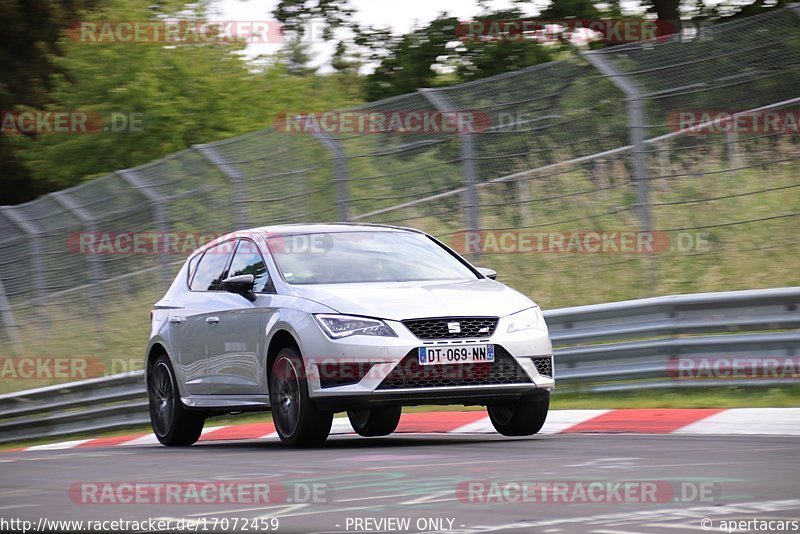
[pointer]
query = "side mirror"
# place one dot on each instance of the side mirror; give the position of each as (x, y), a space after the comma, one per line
(241, 285)
(488, 273)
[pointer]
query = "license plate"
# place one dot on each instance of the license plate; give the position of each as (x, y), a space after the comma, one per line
(456, 354)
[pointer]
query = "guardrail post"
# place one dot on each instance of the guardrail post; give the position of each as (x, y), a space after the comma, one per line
(470, 173)
(339, 174)
(159, 210)
(241, 219)
(637, 130)
(8, 320)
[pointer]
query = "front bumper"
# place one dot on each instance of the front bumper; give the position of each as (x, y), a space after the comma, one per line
(374, 371)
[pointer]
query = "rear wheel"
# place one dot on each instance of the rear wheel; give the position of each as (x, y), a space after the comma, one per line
(172, 423)
(375, 422)
(521, 418)
(298, 422)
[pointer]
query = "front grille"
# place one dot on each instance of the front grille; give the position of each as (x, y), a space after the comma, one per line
(410, 374)
(469, 327)
(544, 366)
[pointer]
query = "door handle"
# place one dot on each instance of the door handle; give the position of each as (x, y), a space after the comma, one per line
(212, 320)
(175, 320)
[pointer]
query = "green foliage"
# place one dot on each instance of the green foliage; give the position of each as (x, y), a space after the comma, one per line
(482, 59)
(436, 55)
(411, 59)
(186, 94)
(579, 9)
(30, 41)
(295, 14)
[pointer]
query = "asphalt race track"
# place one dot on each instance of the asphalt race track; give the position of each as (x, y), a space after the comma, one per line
(421, 483)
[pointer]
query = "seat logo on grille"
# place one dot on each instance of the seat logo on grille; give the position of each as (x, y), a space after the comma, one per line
(454, 328)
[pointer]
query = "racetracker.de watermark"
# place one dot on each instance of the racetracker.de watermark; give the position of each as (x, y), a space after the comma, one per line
(577, 242)
(586, 492)
(41, 367)
(183, 32)
(453, 367)
(250, 492)
(70, 122)
(184, 243)
(421, 121)
(734, 367)
(721, 121)
(531, 29)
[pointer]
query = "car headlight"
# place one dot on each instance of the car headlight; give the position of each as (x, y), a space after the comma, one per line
(526, 320)
(338, 326)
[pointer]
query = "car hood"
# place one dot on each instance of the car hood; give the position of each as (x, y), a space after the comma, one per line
(409, 300)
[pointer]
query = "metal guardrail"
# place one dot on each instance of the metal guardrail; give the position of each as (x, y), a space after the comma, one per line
(95, 405)
(631, 344)
(603, 347)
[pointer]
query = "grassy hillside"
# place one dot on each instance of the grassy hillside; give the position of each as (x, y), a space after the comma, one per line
(109, 323)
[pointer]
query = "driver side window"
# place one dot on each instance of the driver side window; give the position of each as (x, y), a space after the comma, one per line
(208, 274)
(248, 260)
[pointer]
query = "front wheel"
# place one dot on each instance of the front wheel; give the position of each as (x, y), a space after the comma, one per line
(172, 423)
(521, 418)
(375, 422)
(298, 422)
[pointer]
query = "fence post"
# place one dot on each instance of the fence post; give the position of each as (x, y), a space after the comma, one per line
(524, 198)
(732, 143)
(159, 210)
(663, 159)
(339, 174)
(89, 223)
(637, 127)
(241, 219)
(471, 200)
(8, 319)
(33, 234)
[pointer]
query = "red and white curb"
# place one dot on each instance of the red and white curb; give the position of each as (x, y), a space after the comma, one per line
(737, 421)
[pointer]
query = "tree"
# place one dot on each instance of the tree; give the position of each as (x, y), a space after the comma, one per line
(295, 55)
(411, 58)
(484, 58)
(185, 94)
(563, 9)
(296, 15)
(342, 61)
(668, 12)
(31, 31)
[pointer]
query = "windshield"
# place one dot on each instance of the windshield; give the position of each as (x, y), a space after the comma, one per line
(353, 257)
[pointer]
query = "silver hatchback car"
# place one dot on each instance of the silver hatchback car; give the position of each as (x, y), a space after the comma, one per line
(309, 320)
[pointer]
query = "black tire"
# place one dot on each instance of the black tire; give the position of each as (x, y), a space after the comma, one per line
(172, 423)
(521, 418)
(298, 421)
(375, 422)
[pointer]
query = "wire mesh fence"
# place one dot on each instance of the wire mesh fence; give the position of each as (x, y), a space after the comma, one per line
(568, 161)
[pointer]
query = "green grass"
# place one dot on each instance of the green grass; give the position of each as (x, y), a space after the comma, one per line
(716, 397)
(114, 330)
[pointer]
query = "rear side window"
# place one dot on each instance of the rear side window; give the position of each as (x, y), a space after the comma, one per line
(208, 274)
(248, 260)
(192, 266)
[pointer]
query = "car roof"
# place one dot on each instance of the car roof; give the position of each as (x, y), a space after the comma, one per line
(318, 228)
(301, 229)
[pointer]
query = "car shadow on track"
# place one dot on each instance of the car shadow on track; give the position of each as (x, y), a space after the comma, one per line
(351, 441)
